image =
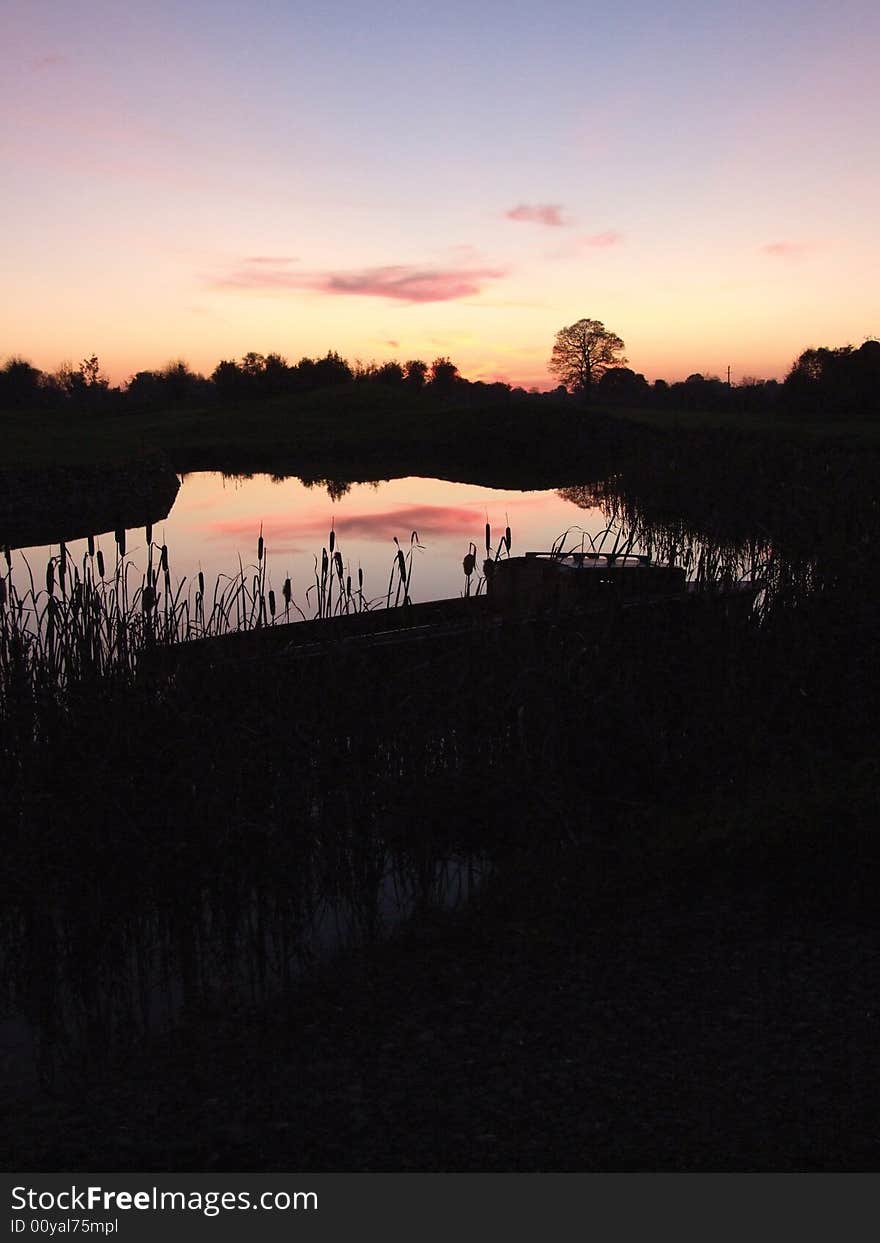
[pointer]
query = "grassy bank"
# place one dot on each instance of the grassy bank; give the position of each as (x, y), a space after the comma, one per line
(357, 434)
(362, 433)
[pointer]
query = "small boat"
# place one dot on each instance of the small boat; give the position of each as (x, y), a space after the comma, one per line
(539, 586)
(562, 582)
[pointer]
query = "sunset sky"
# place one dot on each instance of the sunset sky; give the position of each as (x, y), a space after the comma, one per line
(198, 179)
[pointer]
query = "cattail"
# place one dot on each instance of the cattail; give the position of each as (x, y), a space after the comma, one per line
(120, 540)
(337, 557)
(62, 565)
(348, 585)
(470, 560)
(324, 564)
(260, 546)
(201, 584)
(488, 568)
(100, 564)
(149, 533)
(360, 579)
(488, 540)
(286, 592)
(163, 558)
(2, 593)
(148, 599)
(332, 541)
(507, 539)
(91, 545)
(50, 577)
(272, 602)
(401, 564)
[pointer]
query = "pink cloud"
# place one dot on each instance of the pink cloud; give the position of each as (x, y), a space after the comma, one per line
(400, 282)
(601, 240)
(407, 284)
(588, 241)
(271, 260)
(786, 250)
(47, 62)
(549, 214)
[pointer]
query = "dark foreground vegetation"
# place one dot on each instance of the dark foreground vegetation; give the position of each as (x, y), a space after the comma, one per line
(671, 961)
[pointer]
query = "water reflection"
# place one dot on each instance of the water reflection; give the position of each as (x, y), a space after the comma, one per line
(58, 505)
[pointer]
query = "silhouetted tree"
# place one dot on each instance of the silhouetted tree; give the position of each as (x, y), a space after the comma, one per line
(20, 384)
(699, 392)
(415, 373)
(444, 376)
(364, 373)
(390, 373)
(583, 353)
(144, 391)
(228, 380)
(622, 386)
(331, 370)
(275, 374)
(253, 365)
(842, 381)
(92, 376)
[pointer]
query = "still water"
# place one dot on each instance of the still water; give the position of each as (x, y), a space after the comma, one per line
(216, 520)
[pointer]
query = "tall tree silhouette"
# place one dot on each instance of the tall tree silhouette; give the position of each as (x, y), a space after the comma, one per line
(583, 353)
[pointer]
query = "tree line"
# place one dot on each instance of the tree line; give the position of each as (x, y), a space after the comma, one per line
(233, 381)
(822, 382)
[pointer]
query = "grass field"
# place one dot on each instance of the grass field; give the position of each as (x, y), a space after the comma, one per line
(364, 433)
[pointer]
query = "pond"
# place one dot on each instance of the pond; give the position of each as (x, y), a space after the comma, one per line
(216, 521)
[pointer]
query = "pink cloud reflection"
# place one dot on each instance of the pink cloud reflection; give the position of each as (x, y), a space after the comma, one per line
(283, 532)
